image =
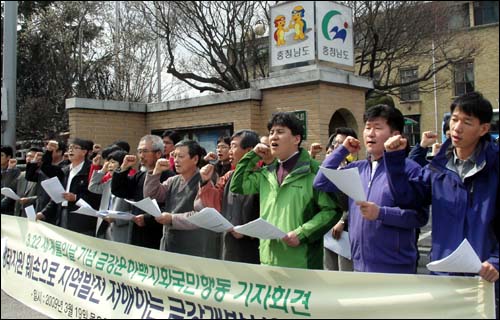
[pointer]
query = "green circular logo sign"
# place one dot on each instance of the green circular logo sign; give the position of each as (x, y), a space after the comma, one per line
(326, 20)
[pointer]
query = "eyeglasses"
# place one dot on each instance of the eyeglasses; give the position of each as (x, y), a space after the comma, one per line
(144, 151)
(72, 147)
(222, 146)
(337, 142)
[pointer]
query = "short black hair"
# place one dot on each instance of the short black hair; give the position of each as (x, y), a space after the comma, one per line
(117, 155)
(288, 120)
(341, 130)
(85, 144)
(475, 105)
(446, 123)
(194, 148)
(36, 149)
(346, 131)
(124, 145)
(249, 138)
(394, 117)
(224, 139)
(61, 146)
(110, 149)
(9, 152)
(173, 135)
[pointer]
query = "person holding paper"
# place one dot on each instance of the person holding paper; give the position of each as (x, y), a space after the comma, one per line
(237, 208)
(461, 184)
(10, 172)
(178, 193)
(26, 190)
(100, 183)
(75, 183)
(52, 162)
(287, 199)
(146, 232)
(382, 235)
(46, 165)
(334, 261)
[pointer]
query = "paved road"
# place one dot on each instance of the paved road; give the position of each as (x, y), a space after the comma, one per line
(13, 309)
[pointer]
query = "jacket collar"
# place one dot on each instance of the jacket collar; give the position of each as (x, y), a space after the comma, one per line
(486, 155)
(303, 165)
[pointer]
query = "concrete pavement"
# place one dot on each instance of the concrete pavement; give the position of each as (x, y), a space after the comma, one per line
(13, 309)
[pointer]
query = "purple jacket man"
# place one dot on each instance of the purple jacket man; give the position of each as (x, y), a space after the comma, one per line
(382, 235)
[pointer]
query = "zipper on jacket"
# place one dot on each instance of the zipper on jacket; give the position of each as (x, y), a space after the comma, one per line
(471, 195)
(372, 176)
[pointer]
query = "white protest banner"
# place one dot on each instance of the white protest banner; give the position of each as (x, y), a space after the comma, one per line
(63, 274)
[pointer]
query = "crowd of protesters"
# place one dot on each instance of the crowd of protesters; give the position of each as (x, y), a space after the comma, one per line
(280, 181)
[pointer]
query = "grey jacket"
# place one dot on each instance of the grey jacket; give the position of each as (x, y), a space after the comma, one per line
(119, 230)
(179, 198)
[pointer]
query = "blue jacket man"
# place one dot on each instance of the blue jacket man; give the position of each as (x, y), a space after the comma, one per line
(382, 235)
(461, 183)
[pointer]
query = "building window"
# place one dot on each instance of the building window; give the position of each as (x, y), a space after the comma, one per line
(464, 78)
(409, 92)
(206, 136)
(485, 12)
(459, 17)
(412, 129)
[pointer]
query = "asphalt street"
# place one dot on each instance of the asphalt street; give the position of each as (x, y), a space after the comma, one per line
(13, 309)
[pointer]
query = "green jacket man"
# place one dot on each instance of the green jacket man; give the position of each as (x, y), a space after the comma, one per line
(287, 198)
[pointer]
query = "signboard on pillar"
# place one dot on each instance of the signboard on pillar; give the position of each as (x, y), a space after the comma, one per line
(293, 38)
(335, 33)
(292, 35)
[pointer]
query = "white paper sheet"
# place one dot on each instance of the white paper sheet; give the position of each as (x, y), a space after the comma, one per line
(54, 189)
(147, 205)
(210, 219)
(83, 203)
(348, 181)
(116, 214)
(87, 211)
(9, 193)
(30, 213)
(342, 246)
(260, 228)
(463, 259)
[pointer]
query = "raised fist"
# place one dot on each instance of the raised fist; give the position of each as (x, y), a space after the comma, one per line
(12, 163)
(210, 157)
(128, 161)
(161, 165)
(395, 143)
(97, 160)
(314, 149)
(96, 148)
(428, 139)
(206, 172)
(264, 152)
(52, 145)
(352, 145)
